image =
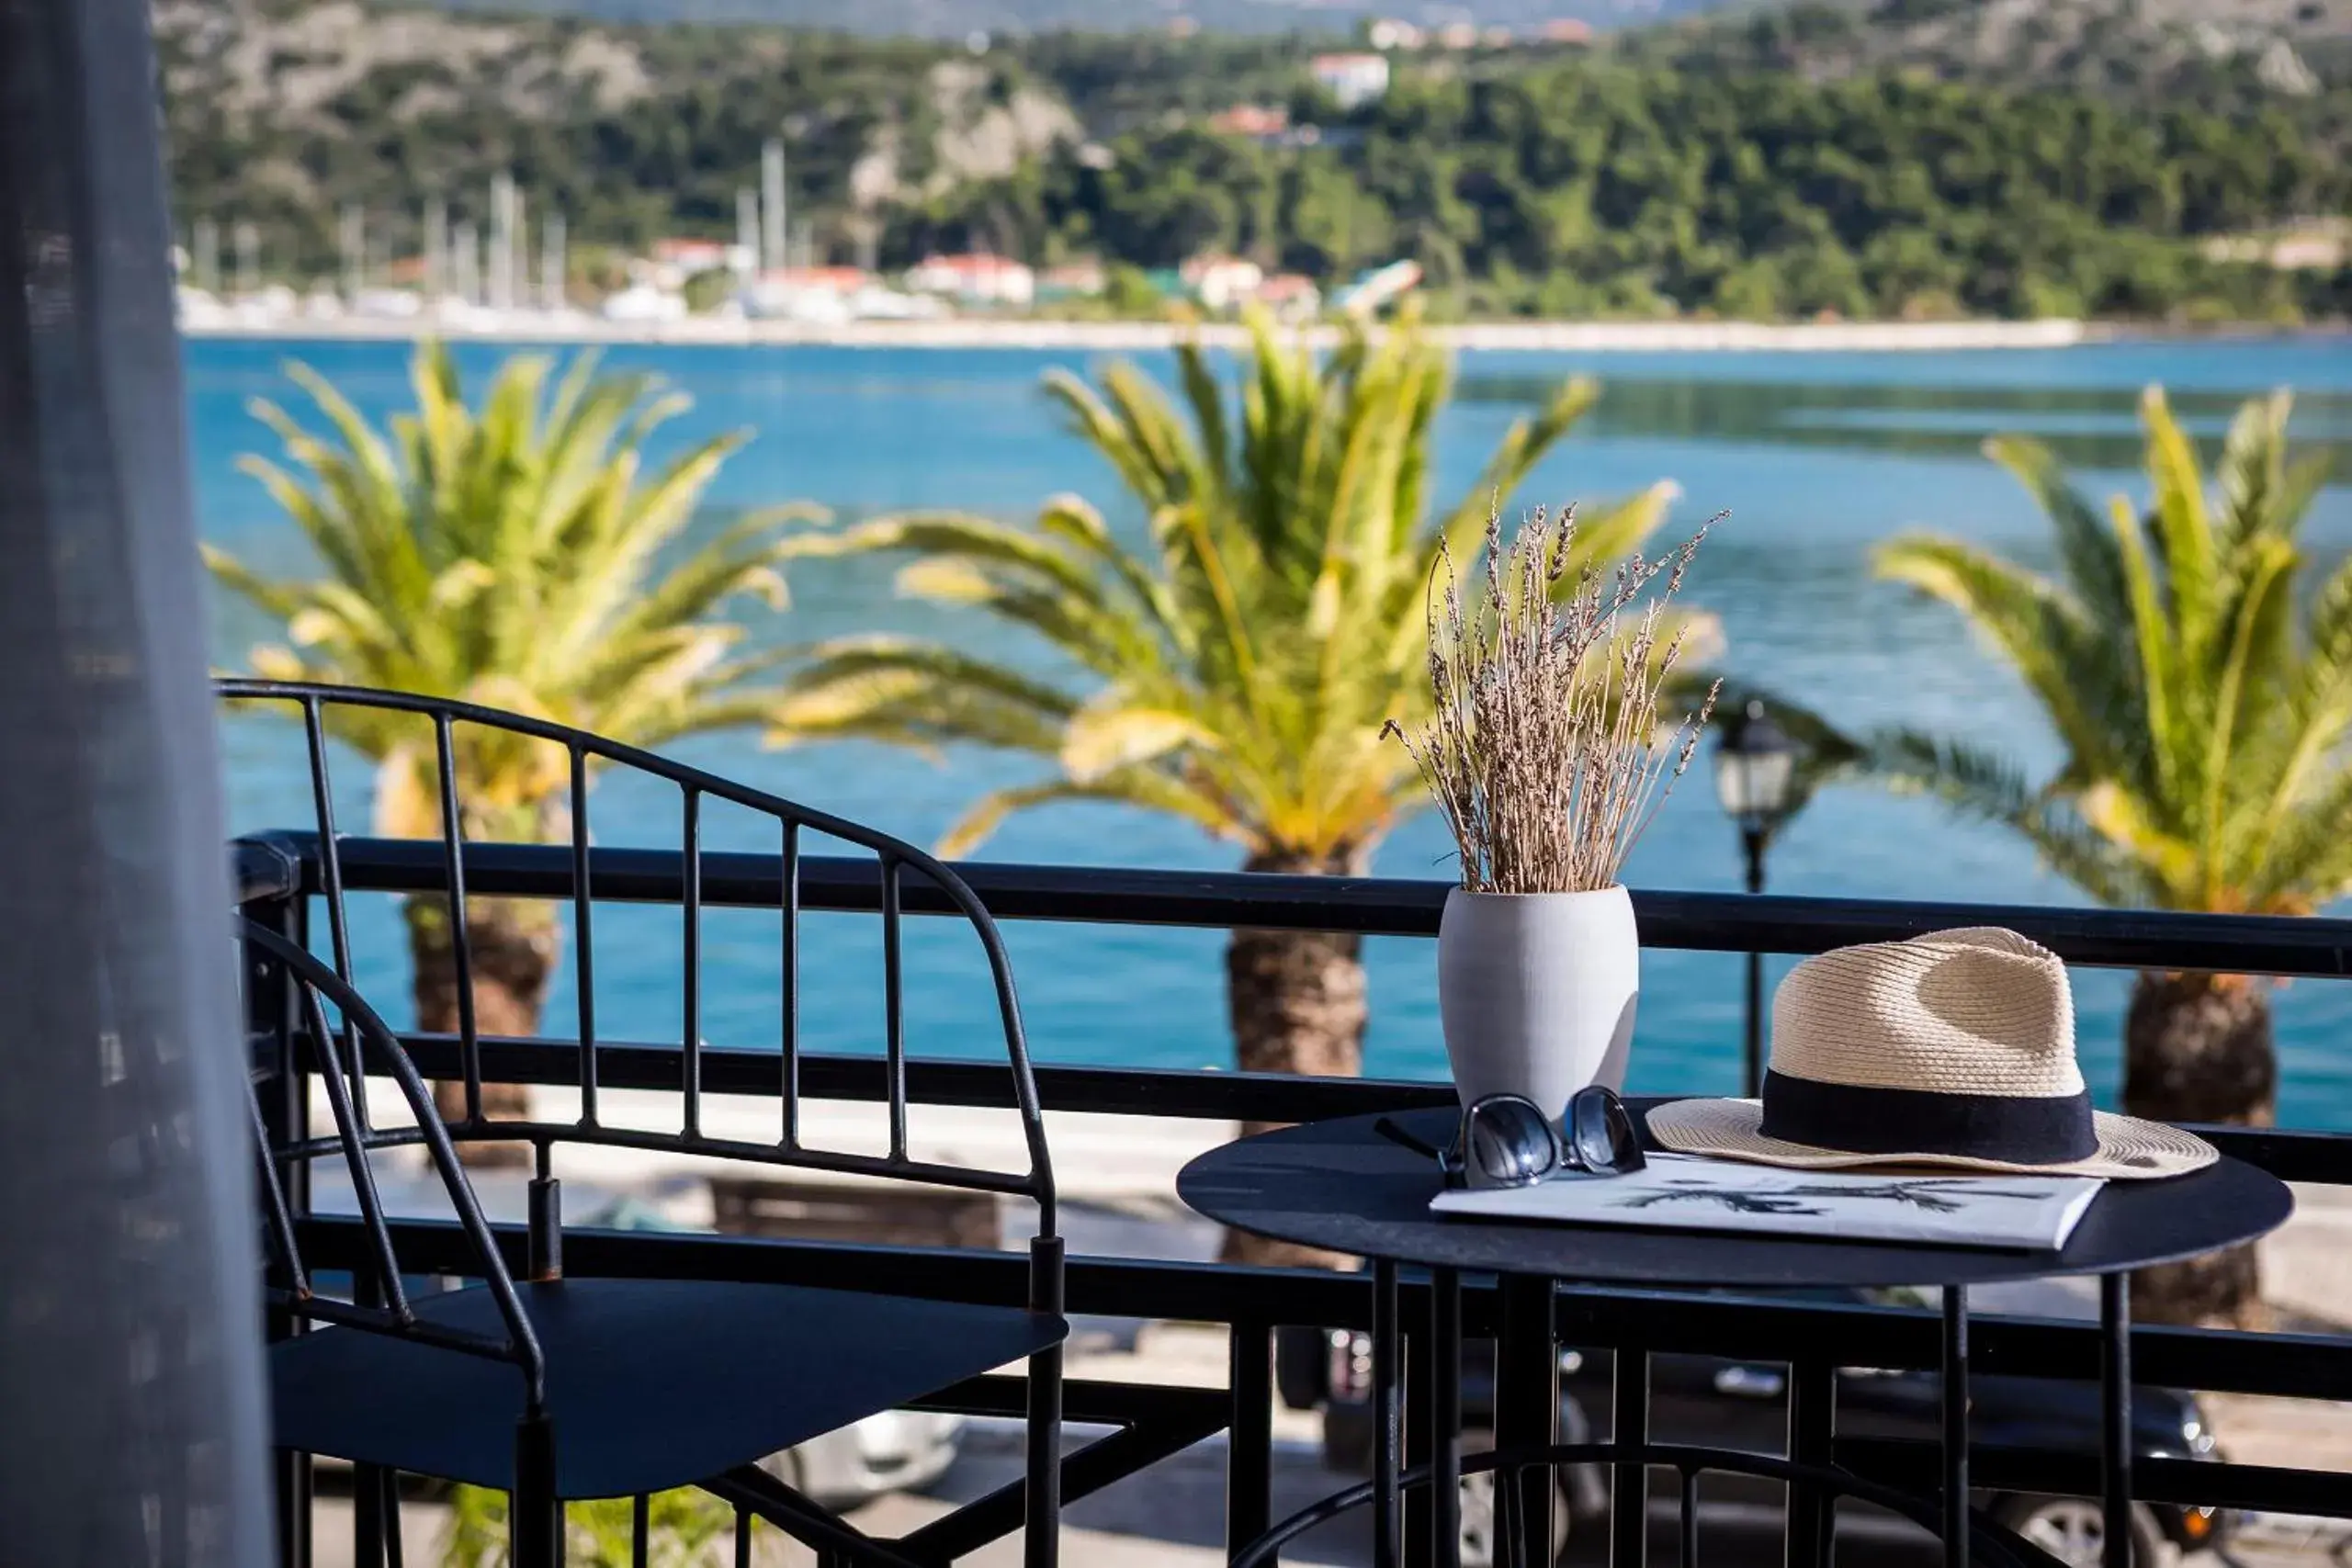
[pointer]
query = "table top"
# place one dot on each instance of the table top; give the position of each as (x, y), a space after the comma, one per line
(1340, 1186)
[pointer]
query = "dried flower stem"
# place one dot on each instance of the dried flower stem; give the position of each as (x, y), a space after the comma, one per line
(1545, 752)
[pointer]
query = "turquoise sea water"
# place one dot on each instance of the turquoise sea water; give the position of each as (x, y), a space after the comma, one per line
(1815, 455)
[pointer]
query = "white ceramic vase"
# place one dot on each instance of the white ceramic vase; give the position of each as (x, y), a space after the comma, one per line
(1537, 991)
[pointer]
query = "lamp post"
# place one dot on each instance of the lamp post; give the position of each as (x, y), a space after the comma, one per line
(1755, 775)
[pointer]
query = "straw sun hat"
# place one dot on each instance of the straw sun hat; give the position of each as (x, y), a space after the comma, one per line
(1953, 1049)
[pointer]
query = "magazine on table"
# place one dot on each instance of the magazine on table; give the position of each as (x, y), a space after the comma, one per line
(1922, 1207)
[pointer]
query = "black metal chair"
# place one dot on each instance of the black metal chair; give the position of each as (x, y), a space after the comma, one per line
(556, 1389)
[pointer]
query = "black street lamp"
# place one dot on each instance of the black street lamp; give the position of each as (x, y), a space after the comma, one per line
(1755, 779)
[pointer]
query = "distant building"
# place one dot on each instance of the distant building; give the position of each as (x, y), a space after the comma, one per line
(388, 304)
(2322, 251)
(674, 261)
(843, 280)
(1458, 35)
(1291, 296)
(977, 279)
(1259, 122)
(1222, 283)
(1566, 29)
(1080, 280)
(688, 257)
(1351, 79)
(817, 294)
(1392, 32)
(1379, 286)
(641, 303)
(2319, 244)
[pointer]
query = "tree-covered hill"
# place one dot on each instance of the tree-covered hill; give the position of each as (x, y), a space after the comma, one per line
(2218, 53)
(1675, 169)
(958, 19)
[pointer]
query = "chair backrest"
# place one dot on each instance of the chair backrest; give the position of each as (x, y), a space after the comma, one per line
(364, 1044)
(326, 711)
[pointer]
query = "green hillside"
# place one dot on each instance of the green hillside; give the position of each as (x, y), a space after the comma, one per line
(1703, 168)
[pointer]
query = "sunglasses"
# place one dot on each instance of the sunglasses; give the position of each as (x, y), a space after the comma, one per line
(1506, 1140)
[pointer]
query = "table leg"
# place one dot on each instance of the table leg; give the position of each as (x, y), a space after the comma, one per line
(1527, 1407)
(1419, 1503)
(1955, 1455)
(1387, 1428)
(2115, 1402)
(1446, 1416)
(1629, 1478)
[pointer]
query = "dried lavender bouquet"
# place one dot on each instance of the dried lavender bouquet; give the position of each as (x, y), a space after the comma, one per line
(1547, 753)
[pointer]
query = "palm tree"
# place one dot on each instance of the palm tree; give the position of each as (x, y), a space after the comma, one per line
(2203, 696)
(1235, 665)
(507, 556)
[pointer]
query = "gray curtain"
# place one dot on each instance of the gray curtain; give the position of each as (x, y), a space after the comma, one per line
(131, 1426)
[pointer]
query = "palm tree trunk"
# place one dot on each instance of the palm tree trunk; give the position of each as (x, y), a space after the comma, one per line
(1297, 1004)
(512, 944)
(2197, 1048)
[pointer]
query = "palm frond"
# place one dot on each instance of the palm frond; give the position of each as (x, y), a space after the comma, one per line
(2087, 547)
(514, 554)
(1145, 788)
(1980, 785)
(1248, 651)
(2206, 734)
(892, 688)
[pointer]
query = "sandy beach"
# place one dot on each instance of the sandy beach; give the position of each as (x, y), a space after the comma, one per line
(975, 333)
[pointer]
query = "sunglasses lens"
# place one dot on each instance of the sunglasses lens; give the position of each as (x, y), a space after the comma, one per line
(1508, 1142)
(1600, 1131)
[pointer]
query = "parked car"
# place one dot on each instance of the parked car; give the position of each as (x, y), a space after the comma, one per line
(897, 1450)
(1741, 1406)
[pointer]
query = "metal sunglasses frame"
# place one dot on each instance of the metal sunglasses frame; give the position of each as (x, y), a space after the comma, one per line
(1569, 1147)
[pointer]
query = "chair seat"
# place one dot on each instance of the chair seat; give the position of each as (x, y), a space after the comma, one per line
(650, 1383)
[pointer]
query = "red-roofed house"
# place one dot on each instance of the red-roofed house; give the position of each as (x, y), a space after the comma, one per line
(977, 279)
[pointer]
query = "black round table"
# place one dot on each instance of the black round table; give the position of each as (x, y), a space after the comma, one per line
(1340, 1186)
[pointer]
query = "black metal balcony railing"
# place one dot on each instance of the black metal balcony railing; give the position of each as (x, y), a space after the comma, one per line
(279, 872)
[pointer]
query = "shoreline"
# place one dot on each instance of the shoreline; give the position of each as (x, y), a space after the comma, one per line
(1099, 337)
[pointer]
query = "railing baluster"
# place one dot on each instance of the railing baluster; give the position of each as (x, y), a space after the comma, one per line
(355, 1153)
(743, 1538)
(1812, 1407)
(331, 872)
(894, 1040)
(453, 865)
(2115, 1413)
(791, 1065)
(1445, 1416)
(640, 1530)
(583, 936)
(1954, 1379)
(690, 1049)
(1629, 1477)
(1248, 1454)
